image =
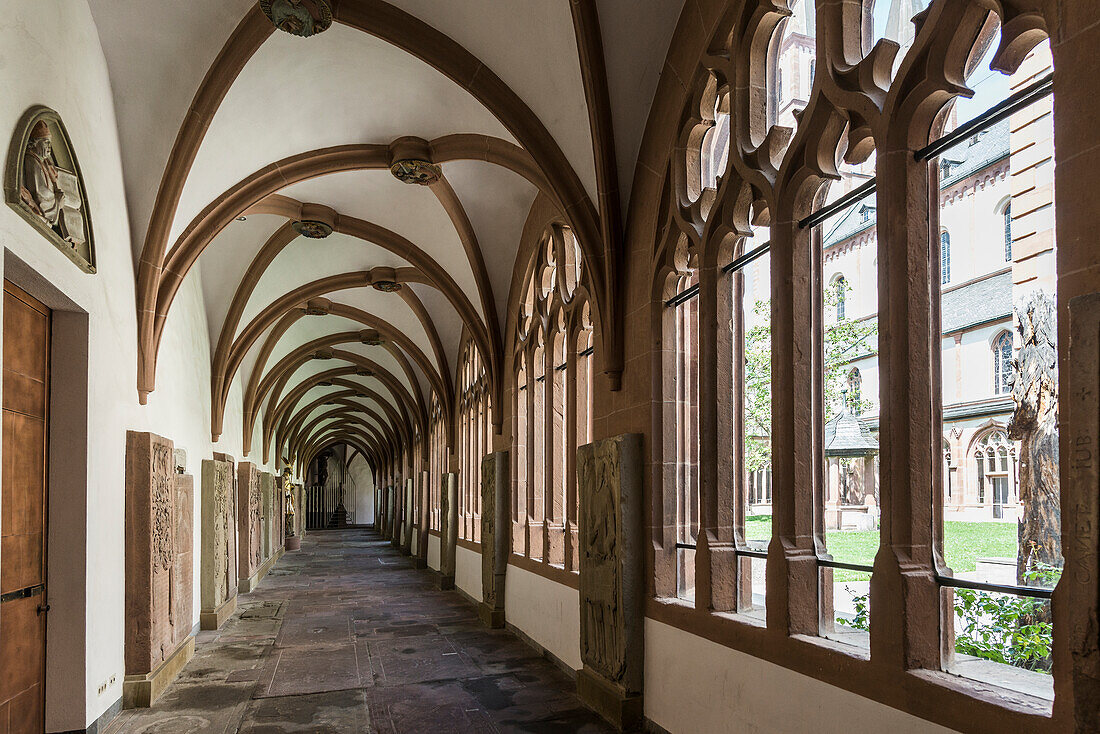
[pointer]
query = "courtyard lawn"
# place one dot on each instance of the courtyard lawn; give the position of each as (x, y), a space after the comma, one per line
(964, 543)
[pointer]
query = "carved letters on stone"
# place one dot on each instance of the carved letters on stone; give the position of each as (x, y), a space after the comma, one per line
(164, 505)
(255, 521)
(610, 544)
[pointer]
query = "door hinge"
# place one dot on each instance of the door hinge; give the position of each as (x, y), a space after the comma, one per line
(23, 593)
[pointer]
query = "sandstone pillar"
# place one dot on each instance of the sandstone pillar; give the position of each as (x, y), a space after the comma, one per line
(249, 527)
(218, 572)
(609, 473)
(448, 530)
(159, 564)
(495, 536)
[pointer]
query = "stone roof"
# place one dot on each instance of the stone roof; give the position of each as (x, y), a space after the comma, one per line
(846, 435)
(966, 158)
(977, 302)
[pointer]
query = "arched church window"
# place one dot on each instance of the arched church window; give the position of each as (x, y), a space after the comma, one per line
(551, 396)
(1002, 364)
(855, 388)
(1006, 216)
(473, 410)
(945, 257)
(840, 296)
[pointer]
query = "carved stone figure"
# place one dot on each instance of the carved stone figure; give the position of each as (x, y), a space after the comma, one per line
(249, 525)
(495, 536)
(448, 530)
(412, 171)
(218, 580)
(611, 585)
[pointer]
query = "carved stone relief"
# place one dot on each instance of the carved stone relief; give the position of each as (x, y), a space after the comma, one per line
(249, 521)
(267, 493)
(44, 185)
(611, 584)
(448, 535)
(495, 536)
(158, 553)
(219, 578)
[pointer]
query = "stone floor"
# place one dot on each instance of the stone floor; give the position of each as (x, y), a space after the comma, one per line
(344, 636)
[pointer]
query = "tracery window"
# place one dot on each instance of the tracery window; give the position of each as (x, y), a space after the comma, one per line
(827, 495)
(1002, 364)
(474, 439)
(437, 452)
(552, 401)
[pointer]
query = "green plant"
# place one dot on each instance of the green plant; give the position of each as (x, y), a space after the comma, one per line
(862, 619)
(1004, 628)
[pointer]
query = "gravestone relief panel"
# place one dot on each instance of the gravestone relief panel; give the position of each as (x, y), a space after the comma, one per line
(495, 536)
(249, 521)
(407, 515)
(218, 578)
(267, 494)
(159, 561)
(448, 529)
(611, 581)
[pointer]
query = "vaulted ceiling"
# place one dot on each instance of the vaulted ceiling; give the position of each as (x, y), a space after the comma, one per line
(232, 131)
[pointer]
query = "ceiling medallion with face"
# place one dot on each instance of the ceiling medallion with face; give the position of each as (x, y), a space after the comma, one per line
(364, 373)
(312, 228)
(413, 171)
(298, 17)
(322, 354)
(386, 286)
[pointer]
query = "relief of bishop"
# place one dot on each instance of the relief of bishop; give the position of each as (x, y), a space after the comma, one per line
(49, 191)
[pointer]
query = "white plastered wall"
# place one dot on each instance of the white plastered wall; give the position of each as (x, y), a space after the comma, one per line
(362, 504)
(468, 572)
(546, 611)
(50, 55)
(695, 685)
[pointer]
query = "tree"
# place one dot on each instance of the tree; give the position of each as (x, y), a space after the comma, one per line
(845, 341)
(1034, 424)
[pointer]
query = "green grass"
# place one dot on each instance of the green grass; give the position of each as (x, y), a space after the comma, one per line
(964, 543)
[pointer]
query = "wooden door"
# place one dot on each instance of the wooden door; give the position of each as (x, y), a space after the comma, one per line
(23, 514)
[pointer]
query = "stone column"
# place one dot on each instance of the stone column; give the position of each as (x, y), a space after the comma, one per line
(218, 572)
(495, 536)
(159, 563)
(407, 517)
(249, 527)
(424, 518)
(611, 578)
(448, 530)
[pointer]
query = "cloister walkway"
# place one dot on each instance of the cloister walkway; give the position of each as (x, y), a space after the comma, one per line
(345, 636)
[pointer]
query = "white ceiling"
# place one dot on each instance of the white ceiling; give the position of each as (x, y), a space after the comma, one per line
(341, 87)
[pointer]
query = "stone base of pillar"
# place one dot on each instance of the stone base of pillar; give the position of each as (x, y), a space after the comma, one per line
(212, 619)
(491, 618)
(293, 543)
(619, 708)
(446, 583)
(142, 691)
(419, 563)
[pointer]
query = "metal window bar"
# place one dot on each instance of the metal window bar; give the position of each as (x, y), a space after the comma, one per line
(1031, 591)
(691, 291)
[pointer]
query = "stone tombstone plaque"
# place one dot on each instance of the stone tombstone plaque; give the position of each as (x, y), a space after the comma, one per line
(611, 580)
(448, 530)
(159, 567)
(495, 536)
(218, 575)
(424, 519)
(407, 514)
(393, 516)
(267, 494)
(249, 524)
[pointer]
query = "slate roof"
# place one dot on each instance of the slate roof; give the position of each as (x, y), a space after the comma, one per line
(976, 303)
(979, 151)
(845, 435)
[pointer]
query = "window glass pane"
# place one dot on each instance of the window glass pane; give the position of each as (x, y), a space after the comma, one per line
(751, 292)
(850, 496)
(790, 64)
(685, 422)
(999, 355)
(892, 19)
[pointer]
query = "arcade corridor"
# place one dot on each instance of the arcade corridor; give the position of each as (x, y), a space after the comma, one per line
(344, 636)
